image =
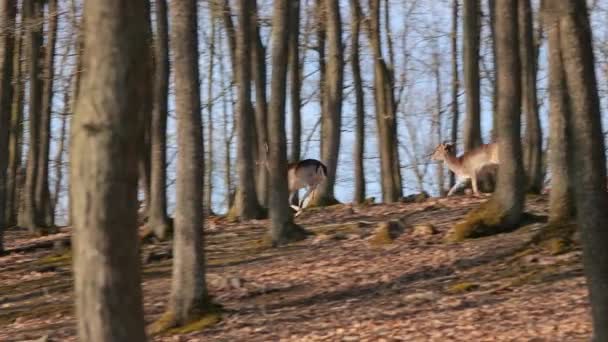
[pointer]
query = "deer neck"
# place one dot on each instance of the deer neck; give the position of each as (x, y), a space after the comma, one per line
(454, 164)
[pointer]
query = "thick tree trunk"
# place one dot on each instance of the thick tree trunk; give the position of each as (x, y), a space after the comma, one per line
(533, 135)
(106, 132)
(385, 113)
(7, 43)
(332, 114)
(470, 44)
(246, 198)
(359, 149)
(455, 81)
(13, 190)
(258, 57)
(189, 297)
(28, 218)
(587, 159)
(43, 195)
(157, 214)
(282, 229)
(492, 15)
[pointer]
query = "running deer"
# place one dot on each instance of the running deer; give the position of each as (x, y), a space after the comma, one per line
(307, 173)
(467, 165)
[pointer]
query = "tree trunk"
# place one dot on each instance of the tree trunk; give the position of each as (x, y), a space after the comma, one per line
(438, 117)
(455, 81)
(208, 190)
(258, 57)
(8, 12)
(282, 229)
(492, 15)
(332, 114)
(470, 45)
(58, 160)
(359, 150)
(246, 198)
(43, 196)
(145, 161)
(157, 215)
(385, 113)
(189, 297)
(533, 135)
(106, 132)
(587, 160)
(230, 33)
(321, 38)
(16, 133)
(226, 133)
(28, 218)
(296, 84)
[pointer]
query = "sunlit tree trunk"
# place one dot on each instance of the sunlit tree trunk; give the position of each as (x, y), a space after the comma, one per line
(471, 28)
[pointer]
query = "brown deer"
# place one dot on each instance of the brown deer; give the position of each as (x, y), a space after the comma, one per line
(467, 165)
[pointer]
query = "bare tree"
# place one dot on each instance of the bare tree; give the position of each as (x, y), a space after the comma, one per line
(437, 119)
(455, 80)
(295, 74)
(471, 28)
(359, 150)
(208, 201)
(492, 24)
(533, 135)
(7, 43)
(332, 114)
(189, 297)
(107, 131)
(282, 229)
(157, 214)
(504, 209)
(587, 160)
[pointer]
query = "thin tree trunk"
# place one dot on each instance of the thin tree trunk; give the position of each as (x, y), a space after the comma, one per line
(282, 229)
(296, 84)
(58, 160)
(246, 198)
(8, 12)
(145, 161)
(438, 118)
(157, 215)
(208, 202)
(472, 125)
(492, 15)
(43, 196)
(16, 129)
(230, 33)
(587, 159)
(332, 114)
(106, 132)
(227, 139)
(189, 297)
(533, 135)
(321, 37)
(258, 57)
(28, 218)
(455, 81)
(359, 149)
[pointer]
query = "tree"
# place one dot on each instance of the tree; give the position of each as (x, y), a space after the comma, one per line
(29, 218)
(7, 43)
(587, 160)
(332, 114)
(492, 24)
(295, 71)
(246, 204)
(533, 135)
(385, 113)
(157, 214)
(145, 160)
(43, 195)
(359, 150)
(282, 229)
(455, 80)
(504, 209)
(472, 124)
(189, 296)
(106, 132)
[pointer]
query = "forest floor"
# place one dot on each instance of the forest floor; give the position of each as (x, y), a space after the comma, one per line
(336, 285)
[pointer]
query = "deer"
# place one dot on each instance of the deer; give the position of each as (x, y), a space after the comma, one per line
(306, 173)
(467, 165)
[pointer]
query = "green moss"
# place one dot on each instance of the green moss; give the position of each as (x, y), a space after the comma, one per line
(56, 259)
(462, 287)
(386, 233)
(487, 219)
(168, 323)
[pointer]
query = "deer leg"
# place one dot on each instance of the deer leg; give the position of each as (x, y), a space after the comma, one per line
(291, 196)
(474, 184)
(454, 188)
(308, 191)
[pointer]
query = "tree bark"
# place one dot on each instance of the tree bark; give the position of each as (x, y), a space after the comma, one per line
(43, 195)
(189, 296)
(321, 38)
(296, 84)
(533, 135)
(145, 161)
(246, 198)
(282, 229)
(587, 160)
(332, 114)
(359, 149)
(208, 190)
(258, 57)
(28, 218)
(157, 215)
(438, 117)
(492, 15)
(106, 132)
(471, 28)
(455, 81)
(8, 13)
